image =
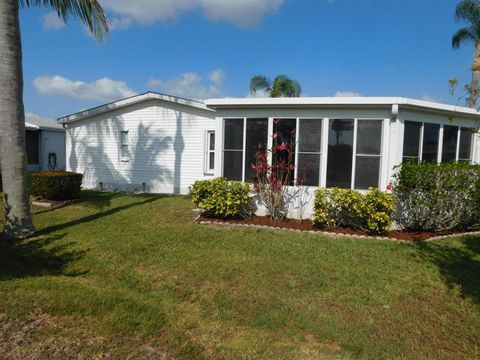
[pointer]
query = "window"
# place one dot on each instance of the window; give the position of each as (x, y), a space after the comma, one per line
(284, 133)
(411, 141)
(256, 140)
(430, 142)
(210, 152)
(309, 151)
(32, 147)
(368, 154)
(449, 146)
(465, 147)
(233, 149)
(124, 145)
(340, 153)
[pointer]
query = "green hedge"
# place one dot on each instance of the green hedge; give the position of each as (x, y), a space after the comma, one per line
(341, 207)
(55, 185)
(222, 198)
(437, 197)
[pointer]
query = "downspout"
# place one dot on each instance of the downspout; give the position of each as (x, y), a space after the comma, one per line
(394, 142)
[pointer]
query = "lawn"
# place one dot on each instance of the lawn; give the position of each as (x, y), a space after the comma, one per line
(131, 276)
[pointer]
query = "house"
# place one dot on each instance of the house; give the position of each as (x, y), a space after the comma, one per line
(159, 143)
(45, 140)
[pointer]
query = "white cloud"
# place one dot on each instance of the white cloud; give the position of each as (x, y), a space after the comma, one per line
(191, 85)
(347, 94)
(104, 89)
(32, 115)
(243, 13)
(427, 97)
(51, 21)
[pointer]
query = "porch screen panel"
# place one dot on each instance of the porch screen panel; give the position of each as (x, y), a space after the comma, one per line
(256, 140)
(411, 141)
(430, 142)
(368, 154)
(449, 146)
(284, 133)
(233, 149)
(465, 151)
(340, 153)
(309, 151)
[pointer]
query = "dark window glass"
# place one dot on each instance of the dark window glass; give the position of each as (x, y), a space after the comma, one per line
(411, 140)
(32, 147)
(211, 162)
(310, 134)
(233, 134)
(340, 153)
(308, 172)
(367, 169)
(465, 152)
(430, 142)
(369, 137)
(212, 141)
(232, 165)
(284, 133)
(449, 146)
(233, 149)
(256, 140)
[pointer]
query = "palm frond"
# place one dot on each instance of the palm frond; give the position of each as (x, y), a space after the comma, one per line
(461, 36)
(259, 82)
(469, 11)
(88, 11)
(284, 86)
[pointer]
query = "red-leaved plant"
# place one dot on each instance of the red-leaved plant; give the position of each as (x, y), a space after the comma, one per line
(272, 178)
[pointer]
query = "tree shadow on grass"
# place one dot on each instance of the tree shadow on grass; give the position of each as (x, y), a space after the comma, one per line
(37, 257)
(459, 264)
(145, 200)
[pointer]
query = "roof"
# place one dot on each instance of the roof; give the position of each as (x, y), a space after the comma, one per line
(340, 102)
(150, 95)
(39, 123)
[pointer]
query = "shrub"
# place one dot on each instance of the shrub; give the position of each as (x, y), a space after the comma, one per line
(342, 207)
(222, 198)
(437, 197)
(55, 185)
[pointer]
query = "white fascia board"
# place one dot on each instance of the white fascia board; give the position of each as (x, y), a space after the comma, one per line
(130, 101)
(340, 101)
(29, 126)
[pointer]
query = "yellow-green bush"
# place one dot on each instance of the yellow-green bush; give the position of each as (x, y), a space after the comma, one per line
(343, 207)
(222, 198)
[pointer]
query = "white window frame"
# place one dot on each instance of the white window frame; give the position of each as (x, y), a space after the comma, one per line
(208, 141)
(124, 144)
(319, 154)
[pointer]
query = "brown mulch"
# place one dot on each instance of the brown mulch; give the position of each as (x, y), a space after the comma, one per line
(306, 225)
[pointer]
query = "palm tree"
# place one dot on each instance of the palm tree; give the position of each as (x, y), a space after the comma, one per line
(469, 12)
(13, 159)
(282, 86)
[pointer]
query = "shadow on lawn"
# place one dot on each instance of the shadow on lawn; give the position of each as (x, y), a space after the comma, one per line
(101, 214)
(36, 257)
(459, 264)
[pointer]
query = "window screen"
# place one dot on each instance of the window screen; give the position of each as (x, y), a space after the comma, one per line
(340, 153)
(465, 151)
(430, 142)
(369, 143)
(449, 146)
(309, 151)
(233, 149)
(411, 141)
(256, 140)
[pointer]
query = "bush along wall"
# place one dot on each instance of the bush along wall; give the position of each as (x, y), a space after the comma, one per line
(55, 185)
(435, 197)
(371, 212)
(222, 198)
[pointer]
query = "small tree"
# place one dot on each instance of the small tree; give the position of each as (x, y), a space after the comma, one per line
(272, 179)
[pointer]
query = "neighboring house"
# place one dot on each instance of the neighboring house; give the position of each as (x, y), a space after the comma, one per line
(45, 140)
(159, 143)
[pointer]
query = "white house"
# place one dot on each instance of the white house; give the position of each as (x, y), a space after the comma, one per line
(159, 143)
(45, 140)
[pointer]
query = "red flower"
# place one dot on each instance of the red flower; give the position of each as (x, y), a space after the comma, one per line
(282, 147)
(389, 187)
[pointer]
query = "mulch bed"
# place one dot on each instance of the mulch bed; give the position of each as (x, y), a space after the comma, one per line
(306, 225)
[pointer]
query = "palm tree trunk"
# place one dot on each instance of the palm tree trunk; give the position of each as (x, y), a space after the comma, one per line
(13, 158)
(475, 77)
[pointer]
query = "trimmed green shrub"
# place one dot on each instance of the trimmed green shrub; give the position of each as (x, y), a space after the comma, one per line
(222, 198)
(55, 185)
(434, 197)
(343, 207)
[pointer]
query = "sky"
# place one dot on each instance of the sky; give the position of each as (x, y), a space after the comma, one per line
(211, 48)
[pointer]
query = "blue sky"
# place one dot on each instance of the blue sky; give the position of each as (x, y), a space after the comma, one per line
(211, 48)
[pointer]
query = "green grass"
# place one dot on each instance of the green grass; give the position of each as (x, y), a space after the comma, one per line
(133, 277)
